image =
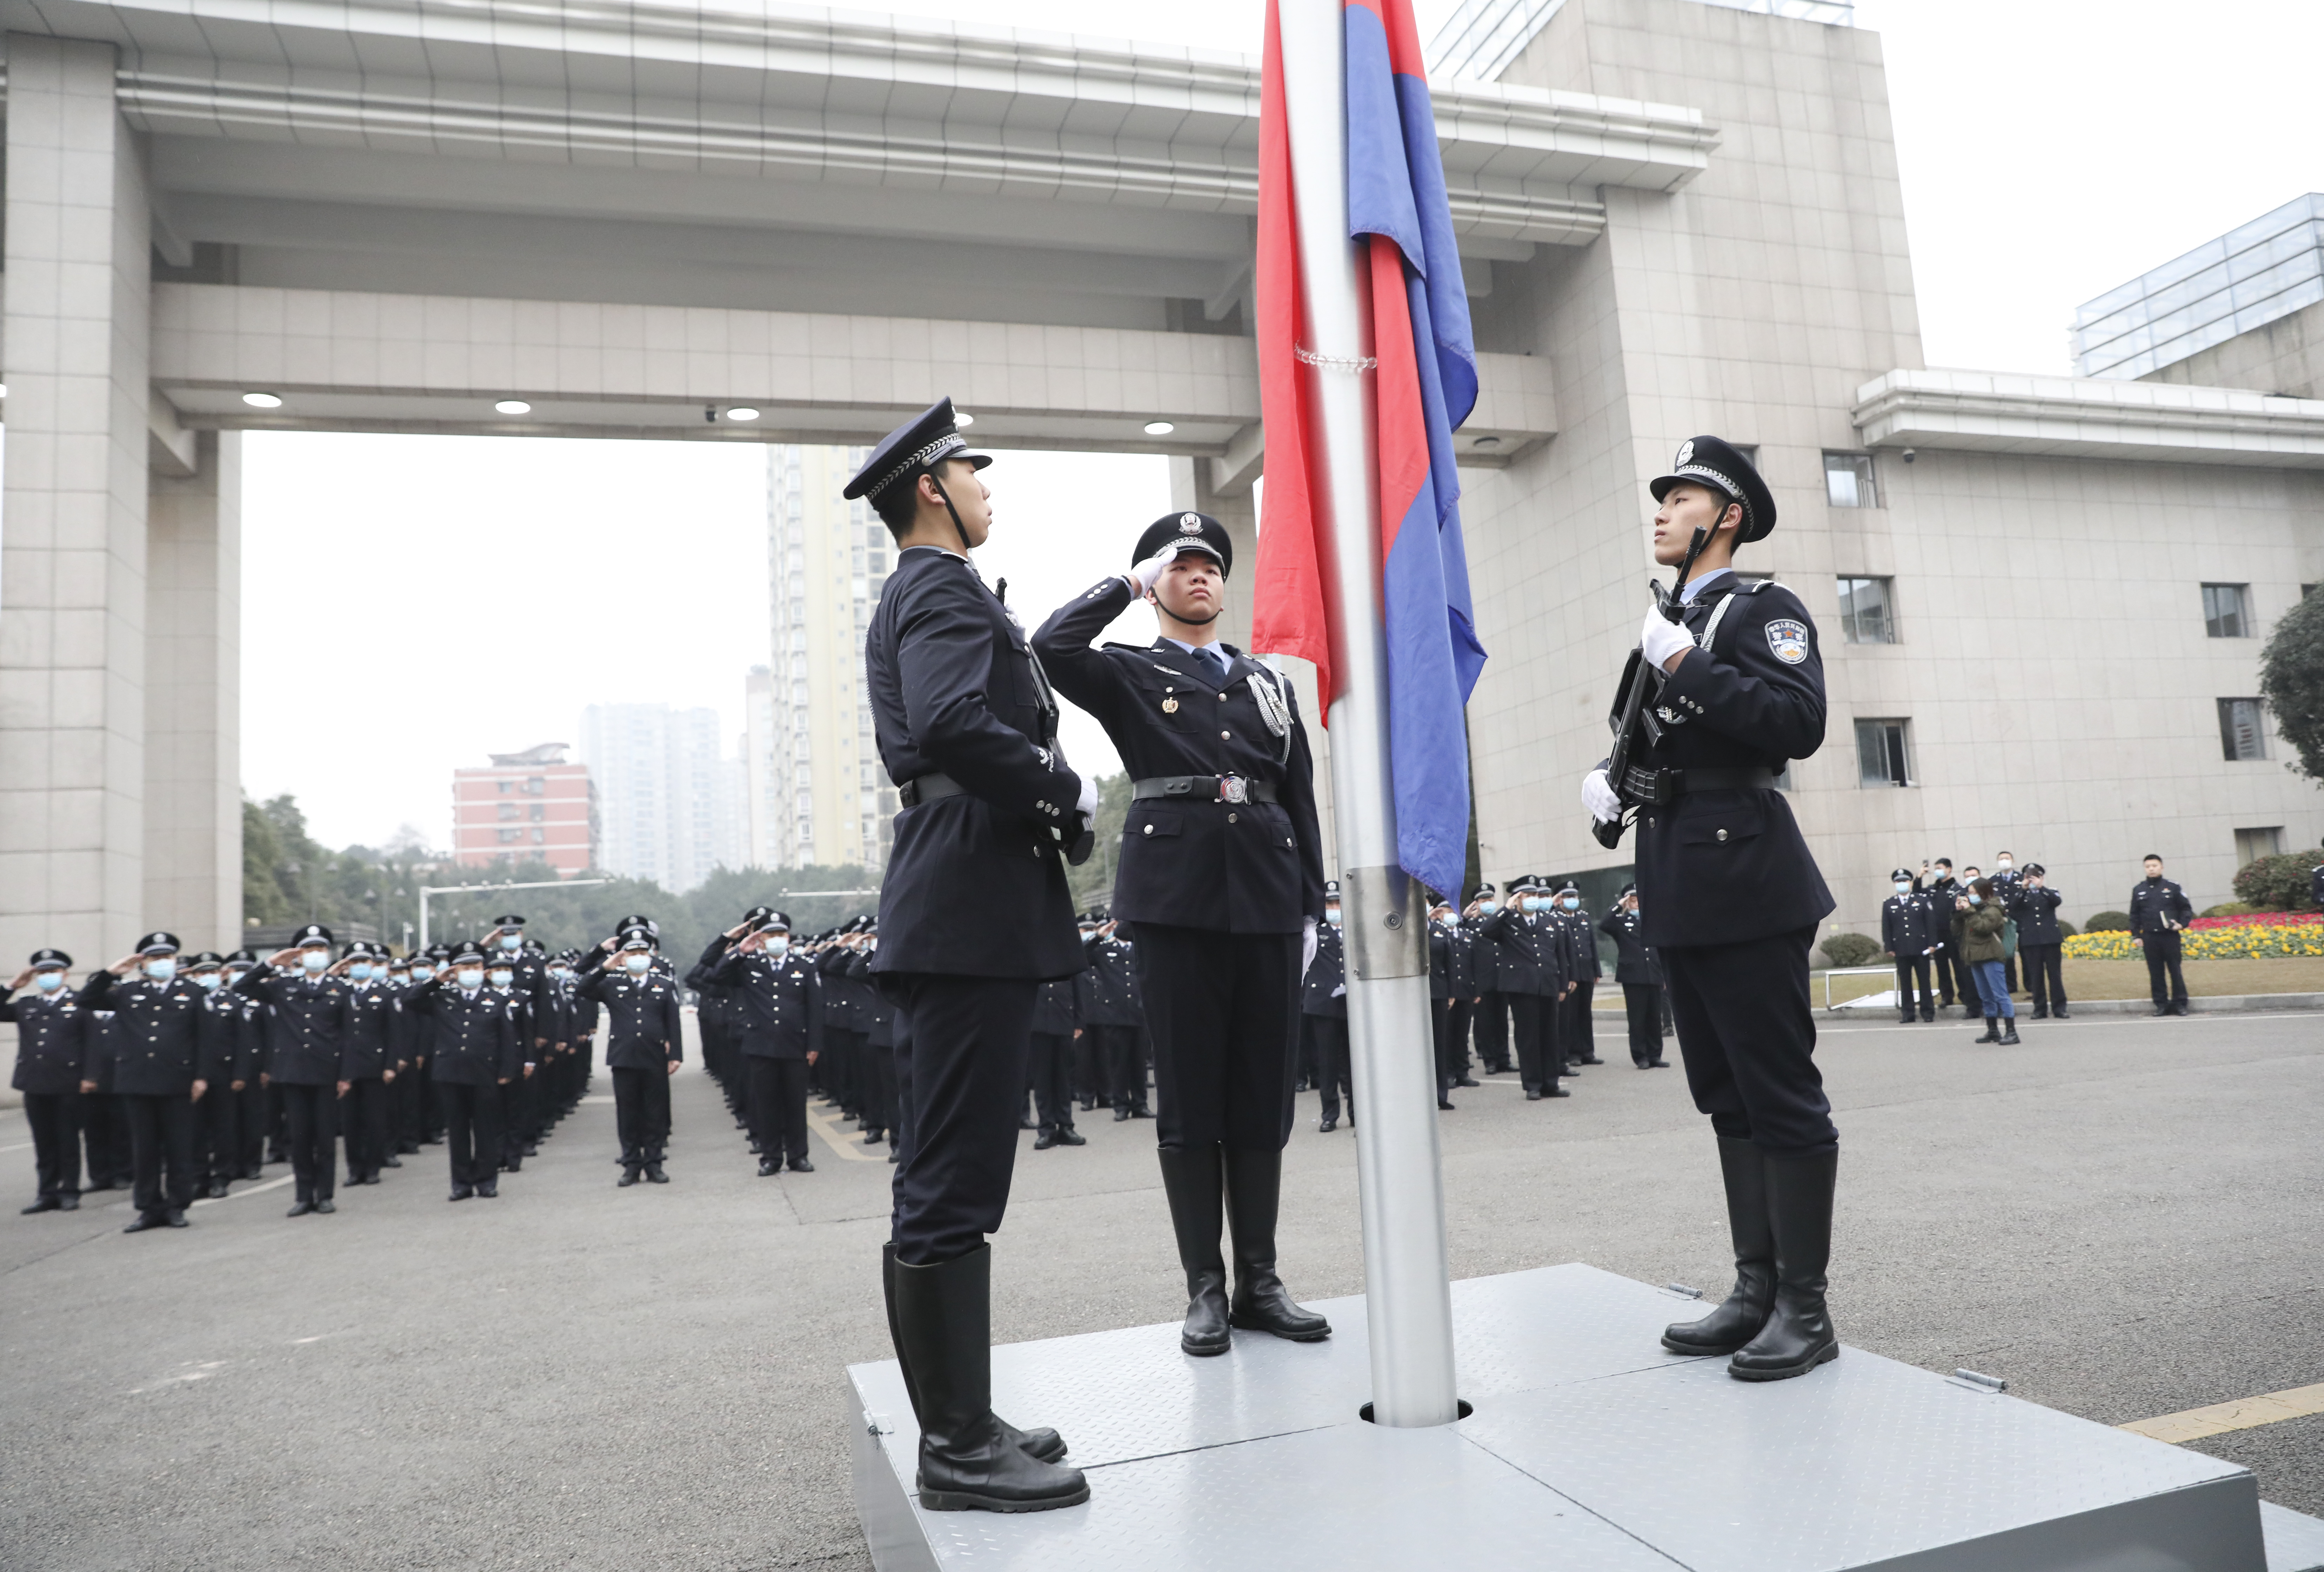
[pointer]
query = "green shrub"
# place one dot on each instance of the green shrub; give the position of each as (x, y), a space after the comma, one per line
(1842, 950)
(2228, 909)
(2066, 929)
(2108, 922)
(2278, 883)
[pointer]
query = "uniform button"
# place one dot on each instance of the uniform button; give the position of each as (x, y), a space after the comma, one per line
(1149, 829)
(1224, 735)
(1288, 841)
(1230, 818)
(1722, 834)
(1222, 699)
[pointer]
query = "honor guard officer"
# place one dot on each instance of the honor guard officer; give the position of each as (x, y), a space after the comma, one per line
(779, 997)
(156, 1060)
(2159, 909)
(1910, 931)
(1529, 962)
(644, 1045)
(1323, 1015)
(51, 1045)
(1222, 885)
(975, 915)
(1731, 897)
(1641, 981)
(472, 1053)
(309, 1016)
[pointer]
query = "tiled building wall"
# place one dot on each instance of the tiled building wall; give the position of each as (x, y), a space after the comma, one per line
(2282, 356)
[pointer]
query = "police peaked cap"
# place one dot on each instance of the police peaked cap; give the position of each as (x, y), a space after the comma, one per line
(1569, 888)
(208, 957)
(508, 923)
(1625, 889)
(911, 449)
(637, 938)
(1094, 914)
(313, 933)
(1720, 465)
(1198, 531)
(355, 948)
(1484, 889)
(1523, 883)
(2035, 871)
(155, 942)
(758, 914)
(775, 921)
(648, 923)
(1330, 889)
(50, 957)
(242, 958)
(1902, 874)
(466, 954)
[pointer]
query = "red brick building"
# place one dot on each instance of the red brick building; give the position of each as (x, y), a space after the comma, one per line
(525, 807)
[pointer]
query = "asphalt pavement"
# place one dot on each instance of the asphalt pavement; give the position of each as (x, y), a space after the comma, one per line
(2121, 1217)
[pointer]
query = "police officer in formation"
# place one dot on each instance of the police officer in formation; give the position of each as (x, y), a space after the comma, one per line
(1489, 1006)
(1055, 1027)
(1640, 977)
(473, 1054)
(782, 1018)
(1323, 1015)
(52, 1047)
(975, 915)
(1533, 966)
(1913, 934)
(1729, 899)
(644, 1045)
(1221, 883)
(1111, 1059)
(2033, 905)
(2159, 911)
(154, 1046)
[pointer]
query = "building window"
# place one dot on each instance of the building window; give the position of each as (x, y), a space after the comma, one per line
(540, 837)
(2226, 611)
(536, 785)
(510, 834)
(2243, 732)
(1883, 753)
(508, 810)
(2251, 845)
(1868, 610)
(504, 785)
(539, 811)
(1847, 480)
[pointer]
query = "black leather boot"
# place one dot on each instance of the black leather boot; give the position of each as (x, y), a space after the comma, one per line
(1193, 1179)
(1045, 1443)
(2009, 1032)
(1798, 1335)
(1992, 1030)
(1738, 1319)
(943, 1325)
(1261, 1303)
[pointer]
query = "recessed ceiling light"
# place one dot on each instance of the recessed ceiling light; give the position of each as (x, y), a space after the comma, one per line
(1159, 428)
(1486, 442)
(262, 400)
(512, 407)
(962, 418)
(742, 412)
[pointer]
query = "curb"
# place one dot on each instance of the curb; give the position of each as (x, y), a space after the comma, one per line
(2220, 1004)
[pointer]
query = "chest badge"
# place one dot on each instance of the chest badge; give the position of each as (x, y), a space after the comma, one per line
(1169, 706)
(1788, 639)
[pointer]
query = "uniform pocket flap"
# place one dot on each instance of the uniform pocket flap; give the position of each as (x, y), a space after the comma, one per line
(1723, 828)
(1148, 825)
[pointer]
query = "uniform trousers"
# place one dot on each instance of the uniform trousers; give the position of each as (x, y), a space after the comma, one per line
(2163, 952)
(1575, 1023)
(1642, 1004)
(105, 1130)
(1457, 1023)
(471, 1130)
(879, 1086)
(1439, 1022)
(1224, 1013)
(410, 1105)
(313, 1115)
(161, 1151)
(839, 1067)
(1532, 1023)
(2045, 977)
(364, 1118)
(1492, 1028)
(516, 1103)
(961, 1044)
(249, 1126)
(1053, 1079)
(641, 1113)
(1122, 1057)
(778, 1102)
(55, 1119)
(218, 1139)
(277, 1123)
(1748, 1038)
(1911, 969)
(1334, 1070)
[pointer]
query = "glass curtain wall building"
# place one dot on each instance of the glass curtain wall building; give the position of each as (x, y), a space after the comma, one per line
(2252, 275)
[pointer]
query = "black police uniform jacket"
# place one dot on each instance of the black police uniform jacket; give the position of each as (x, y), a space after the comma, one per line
(306, 1024)
(1443, 960)
(1231, 867)
(2036, 915)
(53, 1039)
(1720, 867)
(645, 1028)
(780, 1000)
(1581, 946)
(154, 1049)
(1909, 925)
(1053, 1008)
(1533, 956)
(976, 883)
(371, 1032)
(1484, 974)
(1325, 990)
(2152, 901)
(1634, 961)
(228, 1036)
(470, 1039)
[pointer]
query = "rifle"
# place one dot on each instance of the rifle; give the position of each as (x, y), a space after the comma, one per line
(1636, 723)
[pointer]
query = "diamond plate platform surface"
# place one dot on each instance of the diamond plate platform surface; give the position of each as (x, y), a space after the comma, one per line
(2295, 1542)
(1880, 1460)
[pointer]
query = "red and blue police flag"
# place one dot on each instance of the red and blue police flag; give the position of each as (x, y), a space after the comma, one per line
(1426, 382)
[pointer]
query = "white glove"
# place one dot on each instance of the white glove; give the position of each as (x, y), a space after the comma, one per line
(1307, 946)
(1086, 803)
(1661, 639)
(1598, 797)
(1142, 578)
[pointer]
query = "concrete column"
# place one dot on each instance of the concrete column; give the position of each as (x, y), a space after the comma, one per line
(193, 709)
(72, 522)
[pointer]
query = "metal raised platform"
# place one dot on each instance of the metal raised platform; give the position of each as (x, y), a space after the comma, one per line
(1590, 1449)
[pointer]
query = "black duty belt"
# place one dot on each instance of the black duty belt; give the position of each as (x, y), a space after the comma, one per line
(927, 789)
(1203, 789)
(1646, 786)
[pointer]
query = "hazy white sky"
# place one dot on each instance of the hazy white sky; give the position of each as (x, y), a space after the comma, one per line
(2050, 149)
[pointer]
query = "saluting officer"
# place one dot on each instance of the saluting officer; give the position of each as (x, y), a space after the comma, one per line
(1323, 1015)
(227, 1066)
(779, 997)
(975, 915)
(1910, 933)
(472, 1053)
(308, 1021)
(51, 1045)
(1489, 1009)
(1530, 962)
(370, 1067)
(1576, 1030)
(644, 1045)
(1731, 897)
(155, 1055)
(1446, 964)
(1641, 981)
(2159, 909)
(1221, 882)
(249, 1082)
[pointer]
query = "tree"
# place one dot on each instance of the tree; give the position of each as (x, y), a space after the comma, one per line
(1093, 883)
(2291, 680)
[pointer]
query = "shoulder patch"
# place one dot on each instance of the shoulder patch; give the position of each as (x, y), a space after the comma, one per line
(1789, 640)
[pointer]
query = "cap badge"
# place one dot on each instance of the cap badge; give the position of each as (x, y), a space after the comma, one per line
(1685, 454)
(1190, 524)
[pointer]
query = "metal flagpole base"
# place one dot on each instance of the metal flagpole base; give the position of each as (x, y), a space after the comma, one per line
(1589, 1447)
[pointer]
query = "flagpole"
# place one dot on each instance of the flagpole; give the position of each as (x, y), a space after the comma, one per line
(1407, 1288)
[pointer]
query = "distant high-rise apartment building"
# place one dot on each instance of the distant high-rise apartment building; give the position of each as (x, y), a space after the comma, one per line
(761, 786)
(827, 800)
(665, 794)
(525, 807)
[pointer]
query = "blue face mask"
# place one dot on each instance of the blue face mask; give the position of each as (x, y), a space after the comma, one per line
(471, 980)
(1975, 899)
(47, 982)
(638, 963)
(208, 982)
(1571, 904)
(1531, 903)
(360, 971)
(510, 941)
(1488, 906)
(502, 977)
(423, 974)
(162, 970)
(1903, 886)
(778, 948)
(1332, 915)
(315, 960)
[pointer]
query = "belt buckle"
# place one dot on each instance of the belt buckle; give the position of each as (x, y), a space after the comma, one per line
(1233, 789)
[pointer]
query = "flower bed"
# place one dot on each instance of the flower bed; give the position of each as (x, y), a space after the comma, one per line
(2260, 937)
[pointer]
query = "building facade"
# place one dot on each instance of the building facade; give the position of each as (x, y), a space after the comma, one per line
(667, 792)
(825, 798)
(527, 807)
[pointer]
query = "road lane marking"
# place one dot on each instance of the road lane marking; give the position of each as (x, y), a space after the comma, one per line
(826, 1124)
(2270, 1408)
